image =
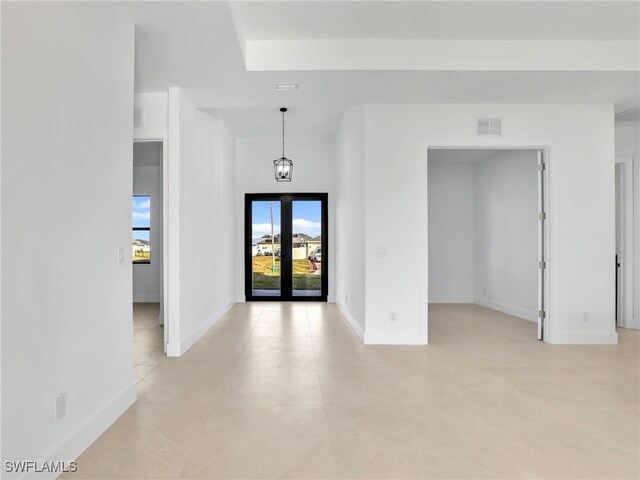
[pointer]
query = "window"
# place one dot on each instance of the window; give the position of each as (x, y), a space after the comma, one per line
(141, 233)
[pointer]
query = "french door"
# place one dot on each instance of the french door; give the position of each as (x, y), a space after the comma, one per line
(286, 240)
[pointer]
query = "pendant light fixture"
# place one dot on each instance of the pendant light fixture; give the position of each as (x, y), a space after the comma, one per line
(283, 167)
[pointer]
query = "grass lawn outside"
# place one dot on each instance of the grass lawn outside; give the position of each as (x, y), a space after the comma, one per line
(141, 256)
(265, 279)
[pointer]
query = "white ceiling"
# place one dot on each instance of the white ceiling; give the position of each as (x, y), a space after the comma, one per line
(195, 45)
(459, 20)
(629, 115)
(267, 121)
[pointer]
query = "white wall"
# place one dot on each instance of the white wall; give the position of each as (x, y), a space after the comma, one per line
(147, 180)
(627, 136)
(202, 247)
(67, 93)
(506, 233)
(154, 108)
(451, 232)
(350, 239)
(581, 176)
(313, 171)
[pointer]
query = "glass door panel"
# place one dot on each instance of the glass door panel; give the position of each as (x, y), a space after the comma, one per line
(286, 247)
(266, 271)
(306, 248)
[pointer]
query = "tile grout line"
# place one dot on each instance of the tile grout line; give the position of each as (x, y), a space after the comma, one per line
(242, 350)
(216, 401)
(324, 404)
(315, 358)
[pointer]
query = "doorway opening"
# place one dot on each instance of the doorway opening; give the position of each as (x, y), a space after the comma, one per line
(624, 255)
(147, 257)
(286, 247)
(487, 235)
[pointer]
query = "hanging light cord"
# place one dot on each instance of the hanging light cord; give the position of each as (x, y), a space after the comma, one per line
(282, 134)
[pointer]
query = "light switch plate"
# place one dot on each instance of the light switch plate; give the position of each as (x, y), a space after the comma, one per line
(61, 406)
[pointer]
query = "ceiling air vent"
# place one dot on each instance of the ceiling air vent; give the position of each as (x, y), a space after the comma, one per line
(489, 126)
(138, 117)
(283, 87)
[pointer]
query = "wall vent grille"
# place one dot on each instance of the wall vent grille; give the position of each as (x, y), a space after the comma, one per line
(489, 126)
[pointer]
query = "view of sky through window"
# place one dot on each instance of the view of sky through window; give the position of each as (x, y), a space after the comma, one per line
(141, 239)
(141, 209)
(306, 218)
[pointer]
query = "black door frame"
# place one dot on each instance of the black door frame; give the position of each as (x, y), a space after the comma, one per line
(286, 234)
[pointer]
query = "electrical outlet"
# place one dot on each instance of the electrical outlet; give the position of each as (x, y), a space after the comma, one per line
(393, 317)
(120, 255)
(61, 406)
(484, 290)
(346, 297)
(585, 317)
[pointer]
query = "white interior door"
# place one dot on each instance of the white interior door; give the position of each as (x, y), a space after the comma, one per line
(624, 240)
(541, 253)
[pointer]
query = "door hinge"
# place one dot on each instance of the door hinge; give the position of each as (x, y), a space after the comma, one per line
(542, 265)
(542, 216)
(541, 314)
(541, 167)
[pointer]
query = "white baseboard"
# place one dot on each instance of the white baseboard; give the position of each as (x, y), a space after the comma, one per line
(240, 299)
(395, 338)
(351, 319)
(508, 309)
(144, 298)
(173, 349)
(585, 338)
(177, 350)
(87, 433)
(451, 299)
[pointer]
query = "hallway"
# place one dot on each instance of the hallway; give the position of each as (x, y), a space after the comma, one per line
(148, 336)
(287, 390)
